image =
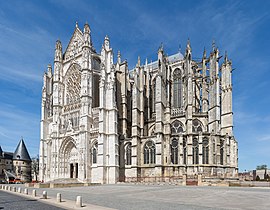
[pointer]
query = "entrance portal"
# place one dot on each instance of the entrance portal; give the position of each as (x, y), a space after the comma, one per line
(71, 170)
(74, 170)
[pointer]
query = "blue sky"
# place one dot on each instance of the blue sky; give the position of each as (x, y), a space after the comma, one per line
(29, 30)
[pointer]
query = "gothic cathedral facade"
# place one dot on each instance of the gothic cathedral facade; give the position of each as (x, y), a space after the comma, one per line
(104, 123)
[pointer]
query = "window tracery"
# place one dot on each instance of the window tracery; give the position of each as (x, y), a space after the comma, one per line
(149, 152)
(184, 150)
(195, 151)
(176, 127)
(94, 153)
(196, 126)
(73, 84)
(205, 145)
(221, 152)
(174, 151)
(128, 154)
(177, 88)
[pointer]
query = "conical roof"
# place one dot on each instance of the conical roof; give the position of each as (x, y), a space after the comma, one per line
(21, 152)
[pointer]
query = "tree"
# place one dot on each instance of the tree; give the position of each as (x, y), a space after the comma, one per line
(260, 167)
(35, 167)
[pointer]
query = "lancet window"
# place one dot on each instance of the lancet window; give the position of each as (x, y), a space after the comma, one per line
(205, 157)
(195, 151)
(94, 153)
(221, 152)
(149, 152)
(128, 154)
(177, 88)
(174, 151)
(184, 151)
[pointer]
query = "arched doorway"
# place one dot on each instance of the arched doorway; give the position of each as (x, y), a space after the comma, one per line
(69, 158)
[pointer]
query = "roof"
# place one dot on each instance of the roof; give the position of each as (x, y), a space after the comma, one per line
(8, 155)
(21, 152)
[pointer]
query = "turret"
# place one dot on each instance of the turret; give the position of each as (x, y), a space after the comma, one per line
(189, 87)
(204, 84)
(214, 91)
(87, 35)
(226, 95)
(58, 51)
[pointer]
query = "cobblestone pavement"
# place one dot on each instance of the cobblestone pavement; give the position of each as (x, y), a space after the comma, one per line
(131, 196)
(10, 201)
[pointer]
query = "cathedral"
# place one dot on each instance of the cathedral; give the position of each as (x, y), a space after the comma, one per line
(102, 122)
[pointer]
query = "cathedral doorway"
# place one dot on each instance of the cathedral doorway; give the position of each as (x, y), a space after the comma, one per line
(73, 170)
(69, 159)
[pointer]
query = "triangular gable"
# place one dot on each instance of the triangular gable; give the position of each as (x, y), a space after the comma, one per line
(75, 45)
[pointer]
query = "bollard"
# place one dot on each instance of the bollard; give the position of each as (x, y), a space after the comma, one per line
(44, 195)
(79, 201)
(26, 191)
(14, 189)
(34, 193)
(9, 188)
(19, 190)
(58, 198)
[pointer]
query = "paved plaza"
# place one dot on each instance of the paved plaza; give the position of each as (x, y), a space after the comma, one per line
(131, 196)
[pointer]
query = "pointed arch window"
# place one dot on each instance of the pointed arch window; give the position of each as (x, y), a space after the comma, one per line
(195, 151)
(205, 145)
(149, 152)
(177, 88)
(94, 153)
(184, 150)
(196, 126)
(174, 151)
(177, 127)
(128, 154)
(221, 152)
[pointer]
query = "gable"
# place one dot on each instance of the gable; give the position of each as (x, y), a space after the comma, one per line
(74, 47)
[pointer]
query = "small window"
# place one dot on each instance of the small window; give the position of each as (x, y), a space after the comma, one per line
(94, 153)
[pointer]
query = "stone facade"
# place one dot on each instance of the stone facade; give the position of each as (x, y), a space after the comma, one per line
(102, 122)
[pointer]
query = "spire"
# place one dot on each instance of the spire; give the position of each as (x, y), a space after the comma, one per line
(119, 57)
(213, 45)
(77, 24)
(226, 57)
(87, 35)
(188, 44)
(86, 28)
(107, 42)
(160, 49)
(188, 50)
(21, 152)
(58, 51)
(146, 62)
(139, 61)
(49, 70)
(204, 53)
